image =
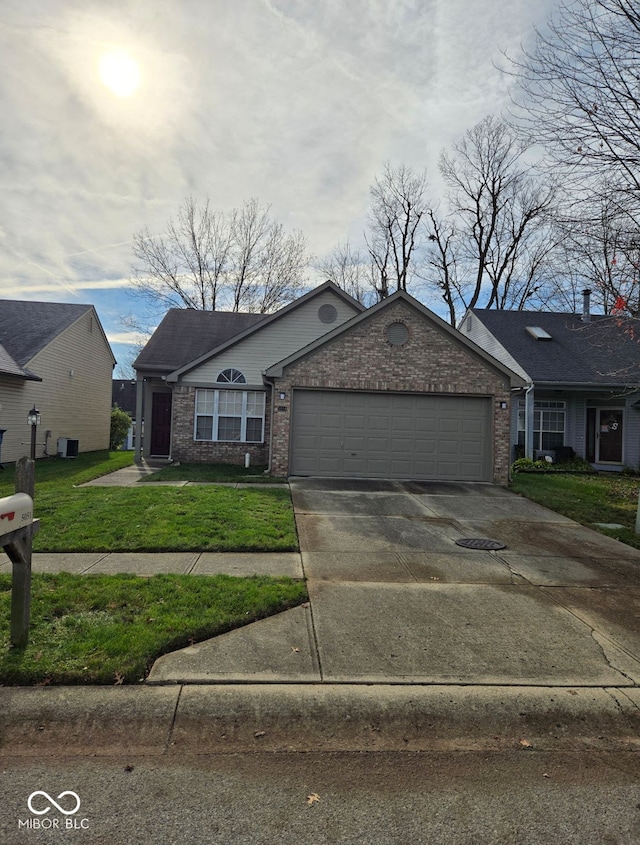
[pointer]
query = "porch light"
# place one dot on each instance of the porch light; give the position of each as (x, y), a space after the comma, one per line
(33, 419)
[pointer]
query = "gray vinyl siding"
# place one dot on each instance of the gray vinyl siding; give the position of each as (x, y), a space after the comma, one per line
(75, 405)
(632, 432)
(275, 342)
(482, 337)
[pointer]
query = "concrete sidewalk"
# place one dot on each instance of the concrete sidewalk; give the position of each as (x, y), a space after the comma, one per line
(409, 641)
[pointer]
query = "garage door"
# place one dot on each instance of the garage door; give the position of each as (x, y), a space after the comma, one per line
(382, 435)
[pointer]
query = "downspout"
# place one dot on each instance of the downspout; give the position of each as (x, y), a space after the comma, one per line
(529, 401)
(139, 393)
(273, 402)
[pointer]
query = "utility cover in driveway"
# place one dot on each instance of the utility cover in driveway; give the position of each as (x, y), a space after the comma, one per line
(388, 435)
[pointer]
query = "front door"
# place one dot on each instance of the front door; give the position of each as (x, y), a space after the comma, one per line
(160, 424)
(609, 435)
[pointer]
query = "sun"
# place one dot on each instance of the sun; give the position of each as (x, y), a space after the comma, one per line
(119, 73)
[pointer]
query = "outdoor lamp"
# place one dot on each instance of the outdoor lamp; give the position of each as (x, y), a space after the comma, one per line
(33, 419)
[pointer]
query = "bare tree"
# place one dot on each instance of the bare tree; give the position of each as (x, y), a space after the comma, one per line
(602, 252)
(350, 270)
(579, 97)
(497, 236)
(185, 265)
(398, 203)
(441, 264)
(208, 260)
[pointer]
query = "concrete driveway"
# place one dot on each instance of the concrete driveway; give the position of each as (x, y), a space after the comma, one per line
(394, 599)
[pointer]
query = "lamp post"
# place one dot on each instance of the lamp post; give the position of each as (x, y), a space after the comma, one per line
(33, 419)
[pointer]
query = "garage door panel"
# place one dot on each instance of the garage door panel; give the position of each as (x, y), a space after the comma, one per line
(378, 444)
(355, 444)
(390, 435)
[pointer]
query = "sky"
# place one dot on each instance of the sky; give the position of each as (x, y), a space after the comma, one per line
(298, 103)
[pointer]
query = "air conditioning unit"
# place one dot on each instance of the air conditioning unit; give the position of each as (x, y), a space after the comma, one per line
(67, 448)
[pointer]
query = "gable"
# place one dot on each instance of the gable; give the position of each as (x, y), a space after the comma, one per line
(26, 328)
(294, 329)
(395, 337)
(473, 328)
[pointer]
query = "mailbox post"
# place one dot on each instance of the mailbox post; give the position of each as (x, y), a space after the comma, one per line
(17, 527)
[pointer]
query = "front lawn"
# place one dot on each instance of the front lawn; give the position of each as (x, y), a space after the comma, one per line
(209, 473)
(152, 519)
(588, 499)
(109, 629)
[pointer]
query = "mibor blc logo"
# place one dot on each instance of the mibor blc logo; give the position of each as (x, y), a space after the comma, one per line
(51, 813)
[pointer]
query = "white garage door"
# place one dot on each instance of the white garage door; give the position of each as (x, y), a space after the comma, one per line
(382, 435)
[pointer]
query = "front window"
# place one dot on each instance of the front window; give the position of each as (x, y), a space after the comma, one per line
(548, 425)
(230, 415)
(231, 376)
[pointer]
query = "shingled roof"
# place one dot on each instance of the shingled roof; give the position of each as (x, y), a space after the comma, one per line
(600, 352)
(27, 327)
(185, 334)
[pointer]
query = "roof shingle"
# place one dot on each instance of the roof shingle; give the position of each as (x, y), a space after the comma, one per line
(27, 327)
(185, 334)
(604, 351)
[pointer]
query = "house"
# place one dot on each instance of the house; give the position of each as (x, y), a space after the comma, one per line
(123, 395)
(55, 357)
(324, 387)
(582, 373)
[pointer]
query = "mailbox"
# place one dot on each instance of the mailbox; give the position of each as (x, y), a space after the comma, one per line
(15, 512)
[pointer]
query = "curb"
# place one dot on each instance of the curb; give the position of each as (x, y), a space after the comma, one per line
(174, 720)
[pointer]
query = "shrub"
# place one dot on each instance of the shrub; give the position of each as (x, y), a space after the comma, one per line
(574, 465)
(120, 422)
(526, 465)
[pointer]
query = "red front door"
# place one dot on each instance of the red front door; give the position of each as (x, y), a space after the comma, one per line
(161, 424)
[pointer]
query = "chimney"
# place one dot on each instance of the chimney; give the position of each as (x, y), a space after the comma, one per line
(586, 306)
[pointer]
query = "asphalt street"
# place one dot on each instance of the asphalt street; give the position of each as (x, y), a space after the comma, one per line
(518, 798)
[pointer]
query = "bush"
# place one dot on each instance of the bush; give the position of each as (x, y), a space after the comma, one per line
(574, 465)
(526, 465)
(120, 422)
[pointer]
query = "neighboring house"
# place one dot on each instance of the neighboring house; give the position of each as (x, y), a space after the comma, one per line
(324, 387)
(123, 394)
(583, 382)
(53, 356)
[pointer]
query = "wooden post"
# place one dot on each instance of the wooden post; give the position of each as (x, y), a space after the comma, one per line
(19, 553)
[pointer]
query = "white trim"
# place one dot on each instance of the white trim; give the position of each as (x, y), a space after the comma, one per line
(244, 416)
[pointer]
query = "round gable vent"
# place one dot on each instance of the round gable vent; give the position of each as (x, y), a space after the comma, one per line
(397, 334)
(327, 313)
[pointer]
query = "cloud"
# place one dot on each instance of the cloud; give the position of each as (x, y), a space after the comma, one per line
(296, 103)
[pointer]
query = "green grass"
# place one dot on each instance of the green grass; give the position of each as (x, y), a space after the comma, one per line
(154, 519)
(213, 473)
(587, 498)
(109, 629)
(58, 472)
(122, 519)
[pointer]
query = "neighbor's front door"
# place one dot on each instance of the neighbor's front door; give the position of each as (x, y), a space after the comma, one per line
(160, 424)
(609, 435)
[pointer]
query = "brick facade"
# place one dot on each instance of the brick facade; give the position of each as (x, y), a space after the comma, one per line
(431, 361)
(185, 448)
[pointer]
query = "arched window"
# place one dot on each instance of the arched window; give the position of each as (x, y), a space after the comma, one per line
(231, 376)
